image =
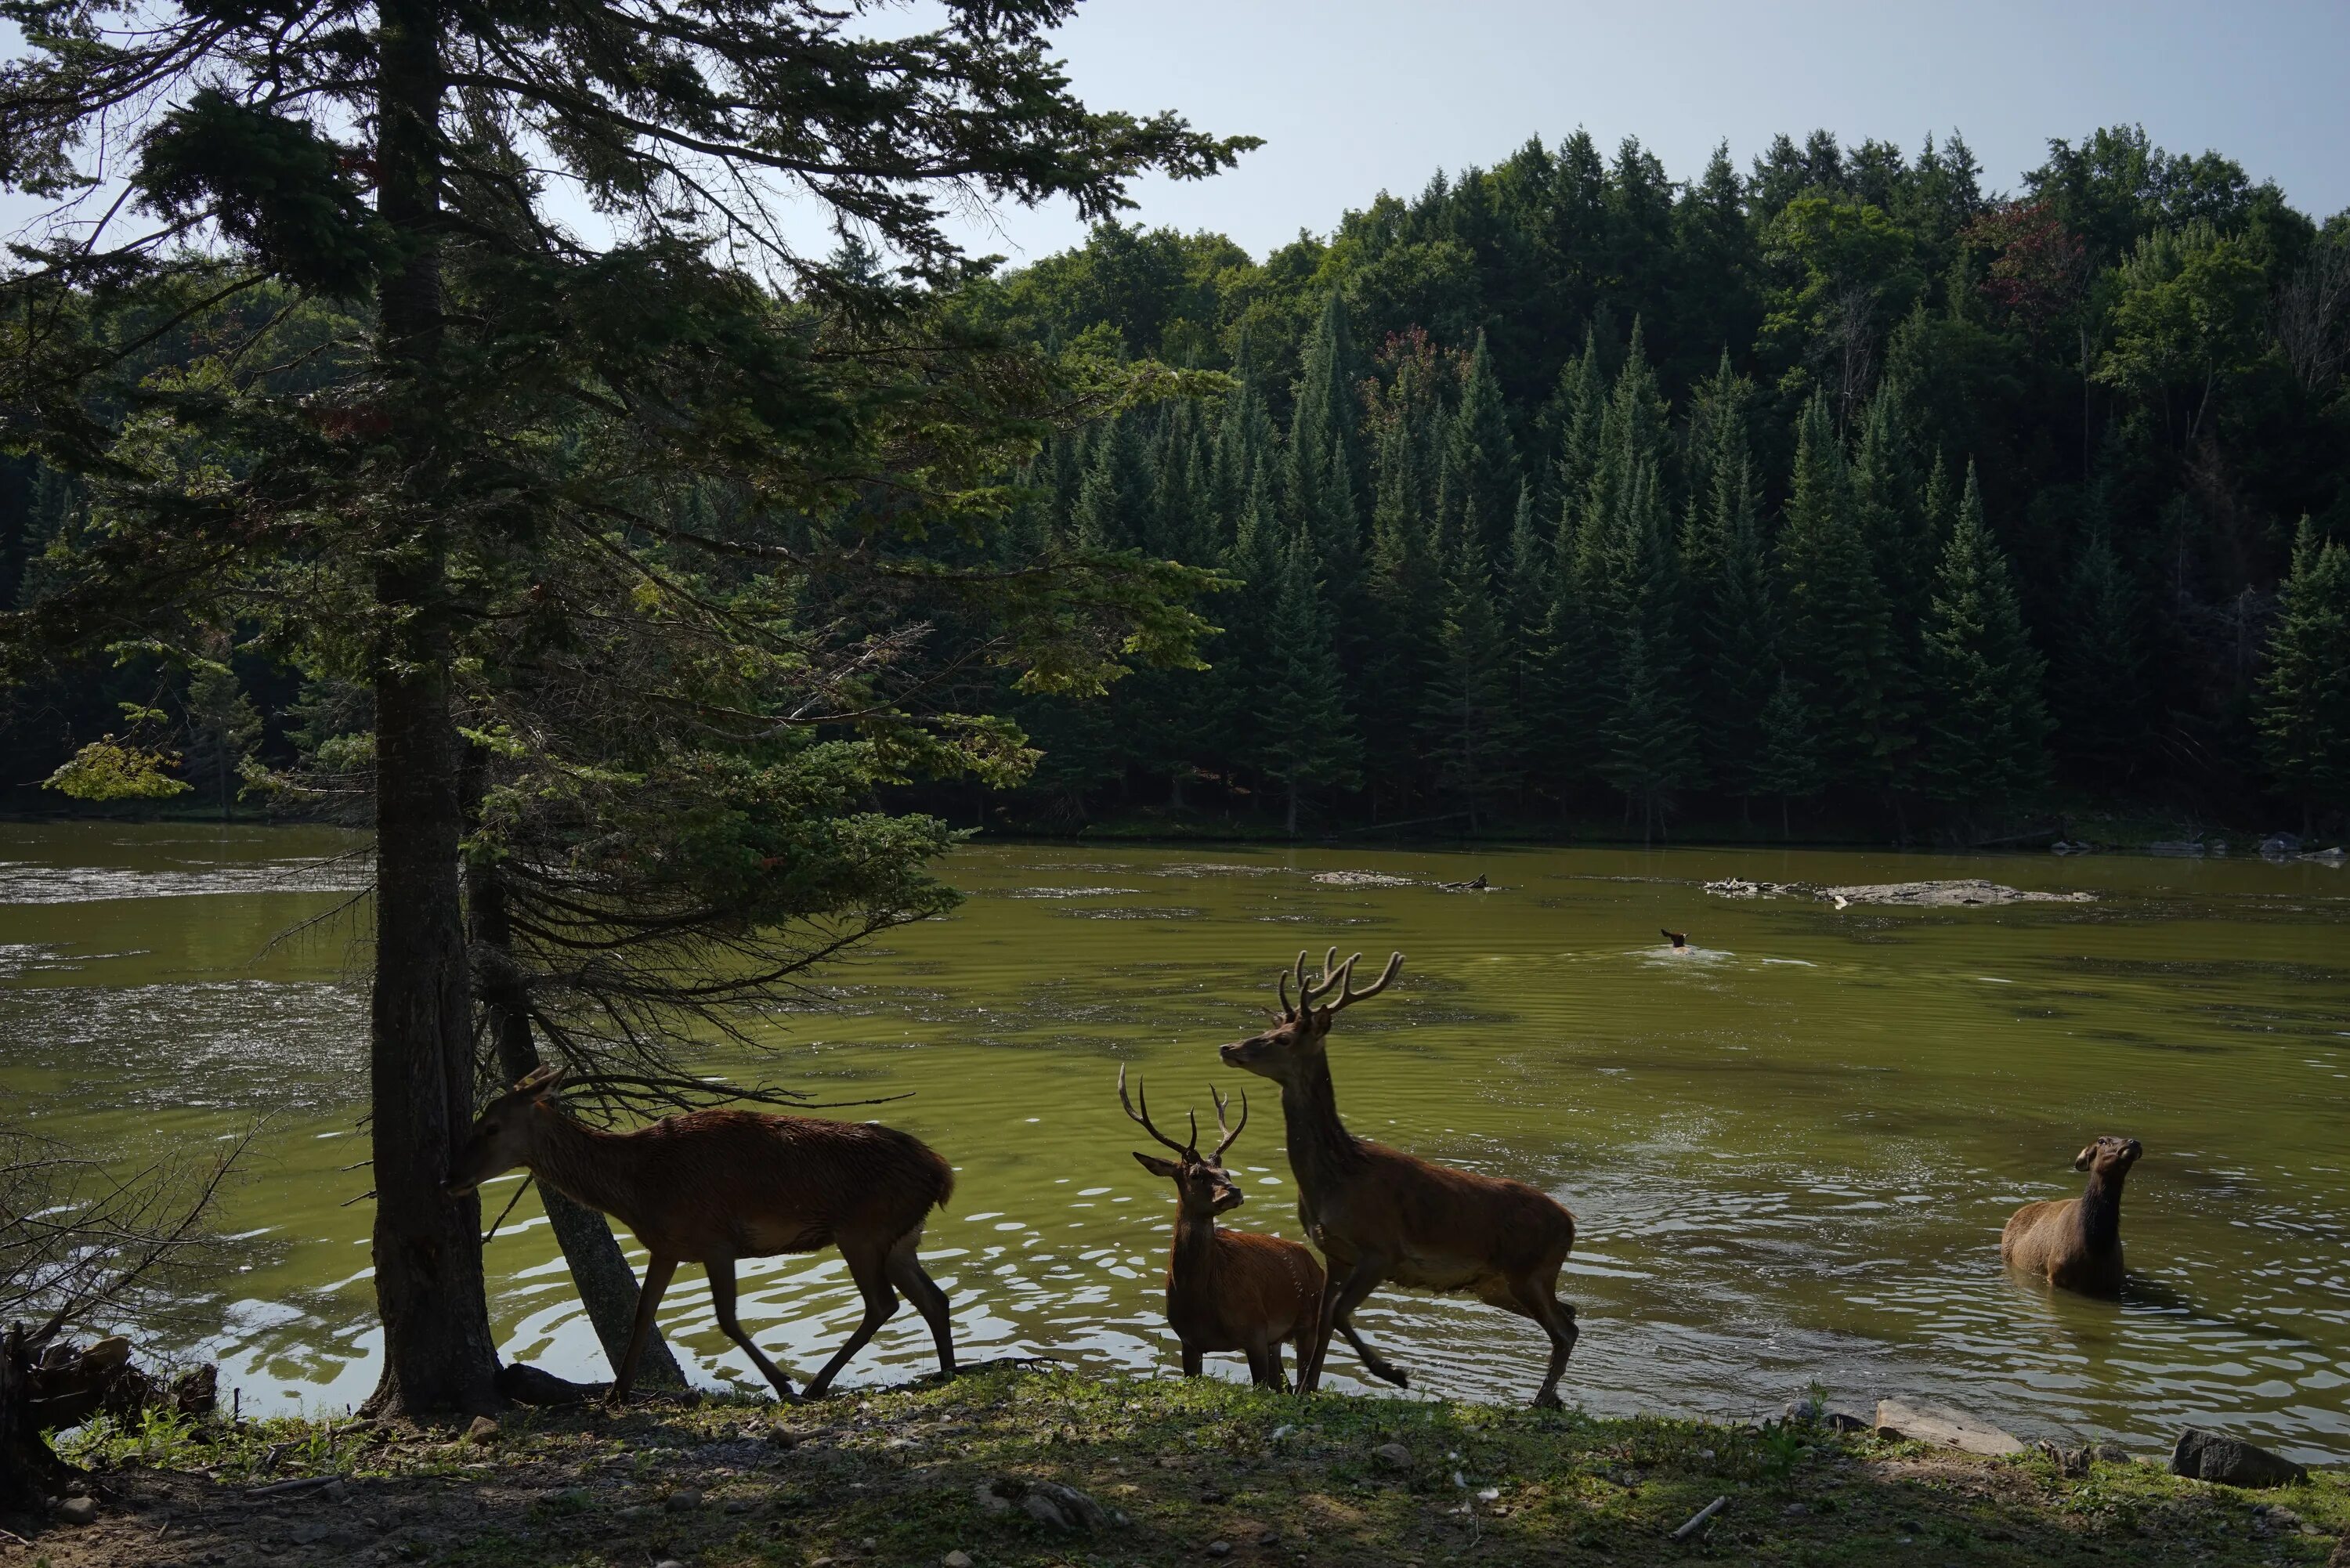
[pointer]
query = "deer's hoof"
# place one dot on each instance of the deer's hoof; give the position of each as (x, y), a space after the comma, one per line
(1549, 1400)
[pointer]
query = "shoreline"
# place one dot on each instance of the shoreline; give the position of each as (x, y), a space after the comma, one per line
(1009, 1465)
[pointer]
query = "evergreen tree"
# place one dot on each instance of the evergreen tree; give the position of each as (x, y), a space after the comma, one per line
(1569, 425)
(1789, 764)
(1477, 487)
(1320, 474)
(223, 725)
(1649, 747)
(1407, 598)
(1732, 624)
(1308, 735)
(1987, 723)
(1889, 512)
(2103, 703)
(1471, 730)
(2305, 706)
(1114, 497)
(1525, 600)
(1835, 624)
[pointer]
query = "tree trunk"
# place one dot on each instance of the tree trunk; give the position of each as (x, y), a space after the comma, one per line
(29, 1471)
(607, 1285)
(1290, 826)
(439, 1354)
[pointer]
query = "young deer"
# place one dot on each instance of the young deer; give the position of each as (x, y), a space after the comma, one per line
(716, 1186)
(1227, 1290)
(1383, 1216)
(2075, 1243)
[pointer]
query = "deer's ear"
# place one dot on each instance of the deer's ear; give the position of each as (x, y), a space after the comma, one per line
(1165, 1168)
(2080, 1160)
(546, 1080)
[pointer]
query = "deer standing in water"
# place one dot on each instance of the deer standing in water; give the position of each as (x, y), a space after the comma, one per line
(1227, 1290)
(2075, 1243)
(716, 1186)
(1381, 1216)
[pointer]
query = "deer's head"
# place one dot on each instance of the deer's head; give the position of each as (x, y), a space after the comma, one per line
(2109, 1156)
(1293, 1045)
(1202, 1187)
(506, 1132)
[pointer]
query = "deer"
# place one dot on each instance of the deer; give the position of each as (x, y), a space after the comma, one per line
(1226, 1290)
(1384, 1216)
(2075, 1243)
(717, 1186)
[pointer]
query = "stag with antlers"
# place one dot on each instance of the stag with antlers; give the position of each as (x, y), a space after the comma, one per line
(1381, 1216)
(1227, 1290)
(717, 1186)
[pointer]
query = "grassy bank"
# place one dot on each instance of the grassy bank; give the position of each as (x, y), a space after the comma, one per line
(1180, 1472)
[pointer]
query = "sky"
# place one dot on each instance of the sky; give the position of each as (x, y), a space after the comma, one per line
(1367, 96)
(1370, 95)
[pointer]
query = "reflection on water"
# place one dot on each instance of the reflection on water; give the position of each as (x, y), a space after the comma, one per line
(1789, 1147)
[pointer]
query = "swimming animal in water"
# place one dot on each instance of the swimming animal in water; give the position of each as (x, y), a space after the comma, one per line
(1679, 938)
(2075, 1243)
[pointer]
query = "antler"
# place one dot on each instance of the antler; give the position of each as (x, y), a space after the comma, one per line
(1348, 995)
(1230, 1134)
(545, 1077)
(1143, 1117)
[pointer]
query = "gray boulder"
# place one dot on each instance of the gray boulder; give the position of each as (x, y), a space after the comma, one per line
(1944, 1427)
(2231, 1461)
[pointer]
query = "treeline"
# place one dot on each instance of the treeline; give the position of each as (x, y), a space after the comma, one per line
(1841, 486)
(1838, 494)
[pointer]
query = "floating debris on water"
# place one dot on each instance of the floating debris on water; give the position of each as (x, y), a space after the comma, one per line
(1961, 893)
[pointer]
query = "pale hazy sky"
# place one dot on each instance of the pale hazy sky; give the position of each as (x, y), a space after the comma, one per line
(1356, 97)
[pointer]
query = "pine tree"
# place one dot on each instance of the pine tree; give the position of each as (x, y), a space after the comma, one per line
(1469, 728)
(223, 725)
(1835, 626)
(1115, 496)
(1788, 765)
(1732, 621)
(1569, 426)
(1307, 735)
(1407, 593)
(1320, 473)
(1525, 599)
(1889, 512)
(1987, 725)
(2104, 706)
(2304, 694)
(1477, 487)
(1649, 745)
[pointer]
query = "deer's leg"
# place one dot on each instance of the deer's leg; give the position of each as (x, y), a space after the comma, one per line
(905, 1271)
(870, 1271)
(721, 1302)
(1385, 1371)
(1257, 1374)
(658, 1273)
(1534, 1298)
(1339, 1299)
(1274, 1376)
(1193, 1357)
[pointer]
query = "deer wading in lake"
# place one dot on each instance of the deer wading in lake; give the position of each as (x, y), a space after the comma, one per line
(1227, 1290)
(1381, 1216)
(2075, 1243)
(711, 1187)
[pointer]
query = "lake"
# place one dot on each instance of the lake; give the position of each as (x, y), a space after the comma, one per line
(1789, 1151)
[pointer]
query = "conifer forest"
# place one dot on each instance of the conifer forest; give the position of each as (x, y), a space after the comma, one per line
(1840, 495)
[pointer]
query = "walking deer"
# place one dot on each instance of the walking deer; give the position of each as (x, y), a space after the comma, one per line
(1227, 1290)
(1381, 1216)
(2075, 1243)
(717, 1186)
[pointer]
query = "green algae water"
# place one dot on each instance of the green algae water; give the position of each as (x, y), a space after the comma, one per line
(1789, 1149)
